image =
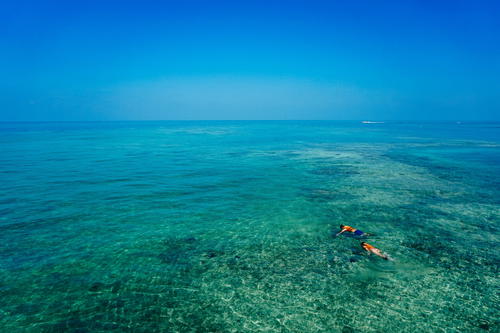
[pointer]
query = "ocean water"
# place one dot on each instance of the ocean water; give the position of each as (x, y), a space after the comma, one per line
(229, 227)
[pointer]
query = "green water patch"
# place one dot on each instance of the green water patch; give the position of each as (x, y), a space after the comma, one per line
(462, 173)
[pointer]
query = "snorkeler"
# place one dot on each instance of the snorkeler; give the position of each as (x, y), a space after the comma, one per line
(374, 250)
(357, 232)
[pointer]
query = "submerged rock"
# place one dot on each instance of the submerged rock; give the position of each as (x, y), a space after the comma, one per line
(213, 253)
(190, 239)
(97, 286)
(115, 287)
(484, 325)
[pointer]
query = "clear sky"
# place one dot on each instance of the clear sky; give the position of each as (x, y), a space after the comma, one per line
(151, 60)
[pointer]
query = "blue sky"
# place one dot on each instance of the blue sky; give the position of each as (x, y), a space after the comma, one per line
(150, 60)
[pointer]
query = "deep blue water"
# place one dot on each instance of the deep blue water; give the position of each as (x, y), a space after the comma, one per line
(228, 226)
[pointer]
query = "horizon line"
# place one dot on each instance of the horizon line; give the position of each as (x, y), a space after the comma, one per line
(370, 121)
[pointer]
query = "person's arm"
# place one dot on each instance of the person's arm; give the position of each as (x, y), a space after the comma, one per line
(341, 231)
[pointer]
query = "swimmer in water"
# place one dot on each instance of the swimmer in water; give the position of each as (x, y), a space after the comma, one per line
(374, 250)
(357, 232)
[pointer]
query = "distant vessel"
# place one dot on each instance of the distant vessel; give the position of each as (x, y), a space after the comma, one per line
(372, 122)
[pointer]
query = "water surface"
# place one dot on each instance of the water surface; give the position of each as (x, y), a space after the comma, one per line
(228, 227)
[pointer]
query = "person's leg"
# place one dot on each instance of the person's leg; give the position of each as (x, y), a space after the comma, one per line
(359, 233)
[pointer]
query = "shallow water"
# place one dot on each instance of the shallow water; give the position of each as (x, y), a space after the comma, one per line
(228, 227)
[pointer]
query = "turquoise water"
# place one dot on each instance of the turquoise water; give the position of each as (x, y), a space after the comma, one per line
(228, 227)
